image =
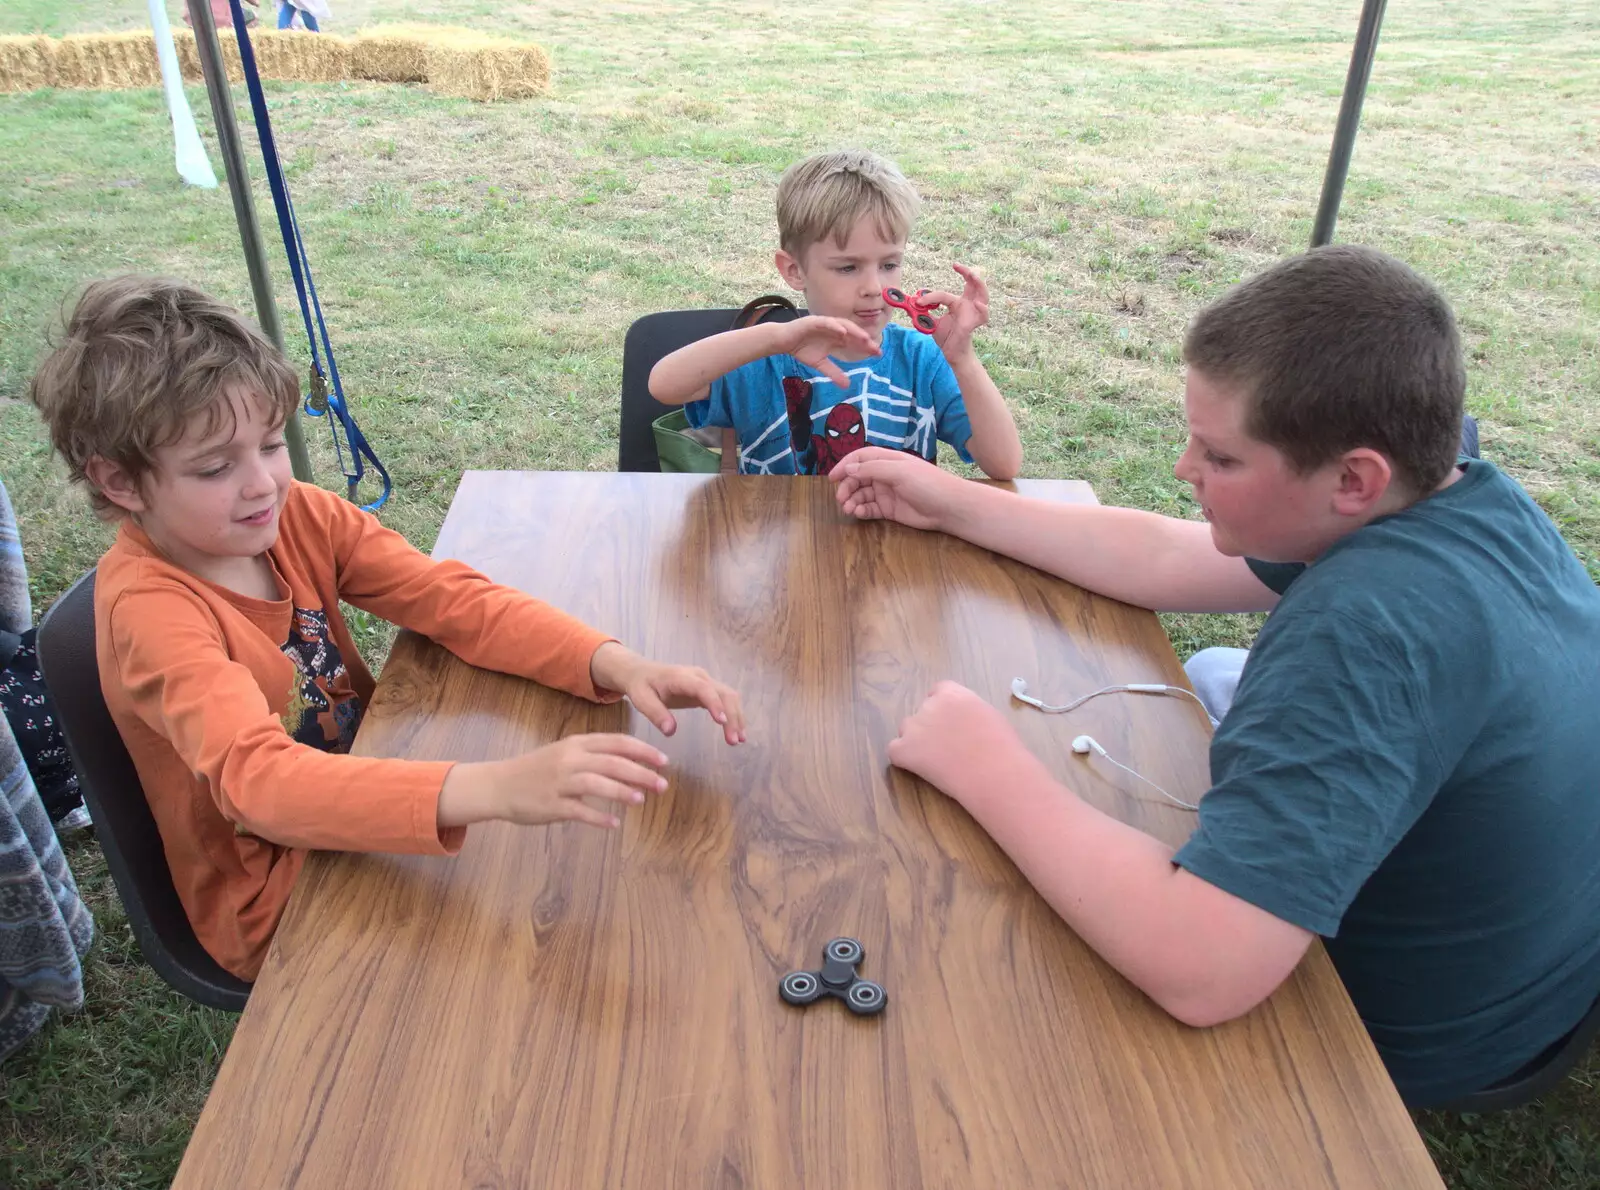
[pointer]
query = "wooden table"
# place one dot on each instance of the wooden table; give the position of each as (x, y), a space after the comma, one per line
(573, 1008)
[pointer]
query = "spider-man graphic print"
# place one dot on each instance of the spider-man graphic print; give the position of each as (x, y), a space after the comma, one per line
(792, 420)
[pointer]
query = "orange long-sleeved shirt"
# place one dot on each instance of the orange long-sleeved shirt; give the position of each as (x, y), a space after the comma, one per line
(237, 711)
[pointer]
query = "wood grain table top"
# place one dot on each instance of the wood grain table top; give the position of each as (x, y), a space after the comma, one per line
(568, 1007)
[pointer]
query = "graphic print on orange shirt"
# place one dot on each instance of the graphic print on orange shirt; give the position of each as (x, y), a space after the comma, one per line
(323, 710)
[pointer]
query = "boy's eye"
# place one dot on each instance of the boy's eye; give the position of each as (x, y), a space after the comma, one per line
(271, 447)
(847, 268)
(213, 472)
(1217, 460)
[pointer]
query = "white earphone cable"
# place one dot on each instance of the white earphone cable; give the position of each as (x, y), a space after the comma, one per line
(1019, 691)
(1177, 800)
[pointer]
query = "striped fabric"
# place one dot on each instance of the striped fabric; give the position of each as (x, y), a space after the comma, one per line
(45, 929)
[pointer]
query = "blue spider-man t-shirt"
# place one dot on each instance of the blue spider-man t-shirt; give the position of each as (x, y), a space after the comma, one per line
(792, 420)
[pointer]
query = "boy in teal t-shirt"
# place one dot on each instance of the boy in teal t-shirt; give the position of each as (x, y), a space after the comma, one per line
(1410, 767)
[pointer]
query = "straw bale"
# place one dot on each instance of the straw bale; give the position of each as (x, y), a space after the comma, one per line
(391, 54)
(297, 55)
(189, 55)
(488, 69)
(27, 62)
(452, 61)
(108, 61)
(131, 59)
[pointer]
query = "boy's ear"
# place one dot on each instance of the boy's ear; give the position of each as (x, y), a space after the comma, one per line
(789, 269)
(1365, 476)
(114, 483)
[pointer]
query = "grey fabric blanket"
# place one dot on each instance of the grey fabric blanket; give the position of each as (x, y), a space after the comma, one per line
(45, 929)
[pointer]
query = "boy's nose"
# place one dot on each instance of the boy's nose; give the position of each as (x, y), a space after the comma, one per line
(1184, 467)
(258, 482)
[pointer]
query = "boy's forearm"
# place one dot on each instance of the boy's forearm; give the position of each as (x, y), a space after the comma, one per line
(482, 622)
(687, 373)
(491, 626)
(270, 785)
(1137, 557)
(467, 795)
(995, 444)
(1118, 889)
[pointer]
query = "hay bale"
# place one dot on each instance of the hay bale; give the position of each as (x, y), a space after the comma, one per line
(459, 62)
(393, 54)
(486, 68)
(297, 55)
(131, 59)
(108, 61)
(189, 55)
(27, 62)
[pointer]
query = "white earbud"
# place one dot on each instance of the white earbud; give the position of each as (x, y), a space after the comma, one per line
(1085, 744)
(1019, 691)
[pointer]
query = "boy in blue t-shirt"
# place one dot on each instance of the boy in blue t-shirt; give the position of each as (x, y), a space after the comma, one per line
(843, 219)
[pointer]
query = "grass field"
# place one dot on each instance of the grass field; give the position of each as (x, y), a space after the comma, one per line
(1110, 167)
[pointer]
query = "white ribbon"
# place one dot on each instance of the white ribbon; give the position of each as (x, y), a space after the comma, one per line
(194, 166)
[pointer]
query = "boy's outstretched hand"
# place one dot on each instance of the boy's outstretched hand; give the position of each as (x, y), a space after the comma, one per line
(657, 689)
(890, 485)
(955, 742)
(812, 339)
(549, 784)
(952, 331)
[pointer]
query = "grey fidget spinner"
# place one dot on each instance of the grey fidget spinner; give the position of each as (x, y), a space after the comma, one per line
(837, 978)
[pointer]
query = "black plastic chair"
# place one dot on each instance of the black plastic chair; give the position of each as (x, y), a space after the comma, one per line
(1538, 1077)
(648, 339)
(122, 819)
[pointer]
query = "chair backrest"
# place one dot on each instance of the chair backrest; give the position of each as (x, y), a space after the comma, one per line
(123, 823)
(1539, 1076)
(648, 339)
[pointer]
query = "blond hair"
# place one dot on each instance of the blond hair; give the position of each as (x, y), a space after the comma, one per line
(823, 197)
(140, 358)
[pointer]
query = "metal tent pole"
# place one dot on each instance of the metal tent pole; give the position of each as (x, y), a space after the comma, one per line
(1344, 133)
(244, 208)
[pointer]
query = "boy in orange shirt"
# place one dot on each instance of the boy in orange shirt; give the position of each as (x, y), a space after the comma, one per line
(225, 662)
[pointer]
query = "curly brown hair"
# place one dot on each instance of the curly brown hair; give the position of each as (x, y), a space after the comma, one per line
(142, 360)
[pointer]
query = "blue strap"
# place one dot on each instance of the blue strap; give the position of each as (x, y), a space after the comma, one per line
(349, 443)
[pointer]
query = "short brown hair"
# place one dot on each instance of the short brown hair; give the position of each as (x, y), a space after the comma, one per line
(139, 358)
(1338, 348)
(822, 197)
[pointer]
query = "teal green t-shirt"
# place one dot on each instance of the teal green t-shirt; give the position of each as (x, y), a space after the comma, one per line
(1411, 769)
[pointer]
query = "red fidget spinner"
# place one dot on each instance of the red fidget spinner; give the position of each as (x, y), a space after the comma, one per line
(919, 311)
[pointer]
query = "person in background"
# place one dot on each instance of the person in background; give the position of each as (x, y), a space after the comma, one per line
(302, 14)
(222, 14)
(45, 928)
(26, 703)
